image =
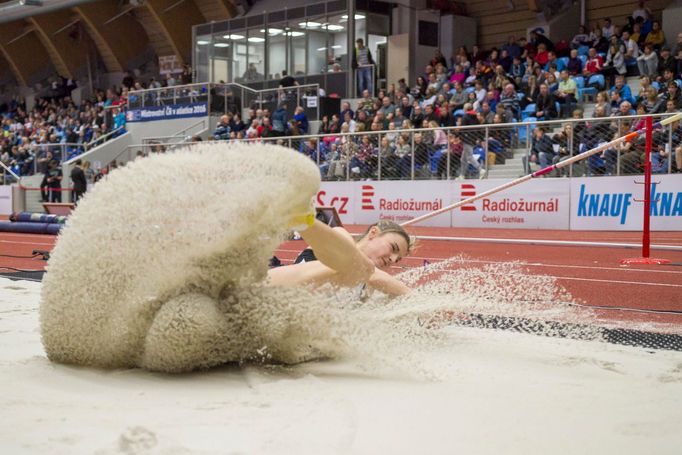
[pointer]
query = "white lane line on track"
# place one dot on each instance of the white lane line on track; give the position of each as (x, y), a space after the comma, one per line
(529, 264)
(26, 243)
(638, 283)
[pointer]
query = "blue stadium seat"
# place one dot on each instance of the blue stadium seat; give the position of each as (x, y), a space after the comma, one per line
(459, 113)
(469, 89)
(583, 59)
(523, 129)
(528, 111)
(597, 79)
(679, 83)
(583, 50)
(656, 85)
(564, 60)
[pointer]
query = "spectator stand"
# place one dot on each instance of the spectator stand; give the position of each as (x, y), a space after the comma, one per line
(376, 155)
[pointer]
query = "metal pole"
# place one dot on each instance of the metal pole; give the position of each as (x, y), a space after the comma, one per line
(646, 238)
(618, 125)
(412, 165)
(487, 163)
(379, 156)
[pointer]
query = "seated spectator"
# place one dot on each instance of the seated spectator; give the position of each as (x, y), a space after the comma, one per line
(517, 71)
(644, 84)
(458, 75)
(545, 104)
(608, 28)
(624, 109)
(542, 150)
(537, 38)
(631, 48)
(623, 88)
(614, 64)
(652, 102)
(542, 55)
(345, 109)
(551, 82)
(594, 63)
(575, 65)
(647, 62)
(673, 94)
(666, 62)
(566, 93)
(530, 92)
(510, 102)
(301, 120)
(505, 60)
(419, 89)
(603, 100)
(552, 59)
(599, 42)
(655, 37)
(582, 38)
(222, 131)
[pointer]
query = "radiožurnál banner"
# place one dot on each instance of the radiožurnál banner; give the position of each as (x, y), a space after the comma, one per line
(173, 111)
(537, 204)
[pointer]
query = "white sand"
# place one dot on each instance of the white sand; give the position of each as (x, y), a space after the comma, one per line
(499, 392)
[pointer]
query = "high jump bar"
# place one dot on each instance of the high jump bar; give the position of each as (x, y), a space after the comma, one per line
(569, 243)
(628, 137)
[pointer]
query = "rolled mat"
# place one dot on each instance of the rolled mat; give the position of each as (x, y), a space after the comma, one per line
(30, 217)
(30, 228)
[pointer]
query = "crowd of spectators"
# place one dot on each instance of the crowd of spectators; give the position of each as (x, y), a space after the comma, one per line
(57, 128)
(535, 79)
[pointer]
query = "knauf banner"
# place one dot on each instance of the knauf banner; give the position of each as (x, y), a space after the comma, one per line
(614, 203)
(151, 113)
(340, 196)
(536, 204)
(401, 201)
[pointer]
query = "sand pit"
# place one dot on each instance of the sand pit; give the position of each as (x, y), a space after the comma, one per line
(496, 392)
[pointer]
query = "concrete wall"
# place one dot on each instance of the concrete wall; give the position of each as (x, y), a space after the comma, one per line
(456, 31)
(672, 18)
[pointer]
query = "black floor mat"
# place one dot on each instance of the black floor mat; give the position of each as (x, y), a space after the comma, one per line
(33, 275)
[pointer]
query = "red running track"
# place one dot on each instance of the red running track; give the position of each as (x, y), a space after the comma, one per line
(592, 275)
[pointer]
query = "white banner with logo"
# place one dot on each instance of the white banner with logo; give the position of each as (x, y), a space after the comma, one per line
(614, 203)
(5, 199)
(537, 204)
(595, 203)
(340, 196)
(366, 202)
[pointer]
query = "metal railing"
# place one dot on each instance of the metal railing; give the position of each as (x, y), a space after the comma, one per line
(230, 98)
(181, 136)
(474, 151)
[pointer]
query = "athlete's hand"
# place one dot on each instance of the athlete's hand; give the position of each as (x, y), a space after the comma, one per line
(304, 216)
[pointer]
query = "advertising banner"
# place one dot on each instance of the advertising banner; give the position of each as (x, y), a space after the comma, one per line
(536, 204)
(595, 203)
(5, 199)
(614, 203)
(340, 196)
(151, 113)
(366, 202)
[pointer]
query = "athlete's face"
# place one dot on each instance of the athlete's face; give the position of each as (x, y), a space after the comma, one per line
(384, 249)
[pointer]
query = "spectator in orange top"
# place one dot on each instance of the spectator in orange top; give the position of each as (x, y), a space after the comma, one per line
(655, 37)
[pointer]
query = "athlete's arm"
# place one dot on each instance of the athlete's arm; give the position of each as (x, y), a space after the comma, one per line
(339, 262)
(382, 281)
(336, 249)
